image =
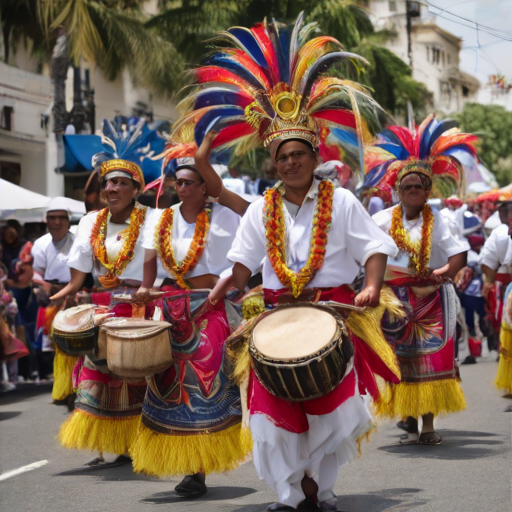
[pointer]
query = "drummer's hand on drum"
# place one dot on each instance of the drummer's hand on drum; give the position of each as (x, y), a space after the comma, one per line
(369, 297)
(143, 295)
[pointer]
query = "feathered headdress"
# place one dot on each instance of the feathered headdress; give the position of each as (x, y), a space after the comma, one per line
(125, 150)
(269, 84)
(434, 149)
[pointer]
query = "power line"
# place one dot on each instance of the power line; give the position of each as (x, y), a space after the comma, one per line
(466, 19)
(477, 26)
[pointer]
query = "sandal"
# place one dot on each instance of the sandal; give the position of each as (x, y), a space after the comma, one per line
(191, 488)
(430, 438)
(408, 439)
(410, 425)
(98, 461)
(279, 507)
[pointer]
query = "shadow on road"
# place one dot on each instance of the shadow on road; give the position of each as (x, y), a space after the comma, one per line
(389, 500)
(25, 392)
(217, 493)
(106, 474)
(9, 415)
(457, 445)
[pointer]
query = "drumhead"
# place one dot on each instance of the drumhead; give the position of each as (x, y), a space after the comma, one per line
(294, 333)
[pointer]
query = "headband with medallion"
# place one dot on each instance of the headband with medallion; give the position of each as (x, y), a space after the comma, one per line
(124, 151)
(268, 84)
(436, 150)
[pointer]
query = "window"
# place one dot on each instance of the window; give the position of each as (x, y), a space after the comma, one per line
(428, 53)
(6, 118)
(392, 5)
(442, 58)
(449, 58)
(465, 91)
(436, 55)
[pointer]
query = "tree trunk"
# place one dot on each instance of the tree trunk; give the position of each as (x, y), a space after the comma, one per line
(58, 72)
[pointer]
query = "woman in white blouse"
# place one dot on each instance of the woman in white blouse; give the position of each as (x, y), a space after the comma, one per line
(191, 417)
(424, 337)
(108, 244)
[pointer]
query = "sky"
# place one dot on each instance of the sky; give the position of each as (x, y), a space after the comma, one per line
(493, 54)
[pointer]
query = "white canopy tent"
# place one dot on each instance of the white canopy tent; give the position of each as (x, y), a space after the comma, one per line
(26, 206)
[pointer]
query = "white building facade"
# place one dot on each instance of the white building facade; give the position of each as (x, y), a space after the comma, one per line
(434, 52)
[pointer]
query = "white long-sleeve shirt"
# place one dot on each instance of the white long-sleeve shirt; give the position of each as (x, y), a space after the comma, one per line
(444, 244)
(494, 251)
(81, 255)
(223, 226)
(352, 238)
(50, 258)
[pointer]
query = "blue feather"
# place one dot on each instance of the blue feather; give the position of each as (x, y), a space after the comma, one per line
(442, 127)
(397, 150)
(228, 111)
(226, 61)
(374, 177)
(425, 142)
(390, 137)
(248, 41)
(217, 96)
(281, 44)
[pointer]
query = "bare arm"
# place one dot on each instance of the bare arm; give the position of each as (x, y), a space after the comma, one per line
(489, 273)
(150, 269)
(241, 276)
(221, 288)
(375, 268)
(455, 263)
(76, 283)
(214, 185)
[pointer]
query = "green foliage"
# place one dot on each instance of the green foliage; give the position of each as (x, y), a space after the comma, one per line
(493, 124)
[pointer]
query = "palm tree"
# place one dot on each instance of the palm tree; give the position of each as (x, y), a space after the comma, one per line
(110, 34)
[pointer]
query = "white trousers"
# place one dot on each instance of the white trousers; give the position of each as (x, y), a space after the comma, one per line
(282, 458)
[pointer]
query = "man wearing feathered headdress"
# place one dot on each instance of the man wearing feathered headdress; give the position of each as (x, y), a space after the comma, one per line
(268, 87)
(419, 164)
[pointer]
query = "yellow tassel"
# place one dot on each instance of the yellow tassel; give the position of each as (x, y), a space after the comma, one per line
(366, 325)
(253, 306)
(165, 455)
(391, 304)
(418, 398)
(62, 373)
(504, 376)
(84, 431)
(360, 440)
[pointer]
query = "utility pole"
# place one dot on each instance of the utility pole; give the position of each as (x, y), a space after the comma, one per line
(412, 10)
(408, 28)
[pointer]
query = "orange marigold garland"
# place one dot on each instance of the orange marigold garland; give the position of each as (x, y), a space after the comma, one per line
(98, 236)
(163, 244)
(418, 251)
(275, 232)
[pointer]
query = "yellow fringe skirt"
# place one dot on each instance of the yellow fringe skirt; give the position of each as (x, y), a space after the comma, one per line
(85, 431)
(504, 376)
(63, 374)
(164, 455)
(419, 398)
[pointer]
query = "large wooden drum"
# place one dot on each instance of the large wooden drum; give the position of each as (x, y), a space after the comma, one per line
(74, 330)
(300, 351)
(136, 347)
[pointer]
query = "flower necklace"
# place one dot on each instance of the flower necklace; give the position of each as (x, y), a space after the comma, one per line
(98, 236)
(275, 230)
(418, 251)
(163, 244)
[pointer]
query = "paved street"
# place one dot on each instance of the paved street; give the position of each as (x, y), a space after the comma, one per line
(470, 472)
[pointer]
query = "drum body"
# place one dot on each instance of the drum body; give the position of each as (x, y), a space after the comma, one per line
(300, 351)
(137, 348)
(74, 330)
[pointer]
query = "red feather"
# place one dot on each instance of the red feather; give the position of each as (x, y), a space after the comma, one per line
(259, 31)
(217, 74)
(406, 138)
(341, 117)
(231, 133)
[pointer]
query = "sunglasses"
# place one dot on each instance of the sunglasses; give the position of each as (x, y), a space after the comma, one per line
(406, 188)
(185, 183)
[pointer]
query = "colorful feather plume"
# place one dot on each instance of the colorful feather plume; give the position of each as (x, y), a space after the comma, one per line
(437, 147)
(271, 80)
